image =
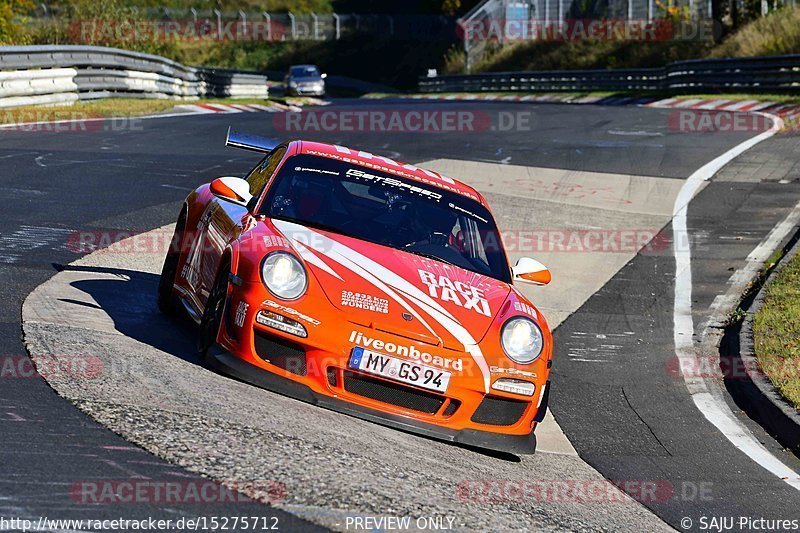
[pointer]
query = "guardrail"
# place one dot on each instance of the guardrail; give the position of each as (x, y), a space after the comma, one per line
(752, 75)
(32, 75)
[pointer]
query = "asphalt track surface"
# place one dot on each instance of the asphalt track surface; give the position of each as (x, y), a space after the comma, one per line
(629, 418)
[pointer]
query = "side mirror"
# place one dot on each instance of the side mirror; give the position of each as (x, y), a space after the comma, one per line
(531, 271)
(234, 190)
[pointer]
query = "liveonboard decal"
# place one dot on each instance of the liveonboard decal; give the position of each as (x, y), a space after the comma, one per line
(411, 352)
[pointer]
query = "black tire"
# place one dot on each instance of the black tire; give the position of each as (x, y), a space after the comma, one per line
(167, 302)
(214, 312)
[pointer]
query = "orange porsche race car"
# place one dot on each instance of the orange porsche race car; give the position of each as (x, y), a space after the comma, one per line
(367, 286)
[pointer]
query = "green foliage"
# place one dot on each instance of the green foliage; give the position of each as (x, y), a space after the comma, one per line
(12, 13)
(777, 33)
(588, 54)
(257, 6)
(100, 23)
(776, 332)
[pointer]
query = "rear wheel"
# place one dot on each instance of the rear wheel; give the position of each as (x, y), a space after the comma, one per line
(214, 312)
(166, 297)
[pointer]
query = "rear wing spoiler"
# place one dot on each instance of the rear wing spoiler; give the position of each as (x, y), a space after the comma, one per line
(254, 143)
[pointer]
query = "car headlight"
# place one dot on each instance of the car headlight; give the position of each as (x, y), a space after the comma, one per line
(284, 275)
(522, 340)
(293, 84)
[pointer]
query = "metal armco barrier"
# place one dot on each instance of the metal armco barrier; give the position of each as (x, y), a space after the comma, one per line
(752, 75)
(32, 75)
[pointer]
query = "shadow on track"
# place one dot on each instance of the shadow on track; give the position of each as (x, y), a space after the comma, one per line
(129, 299)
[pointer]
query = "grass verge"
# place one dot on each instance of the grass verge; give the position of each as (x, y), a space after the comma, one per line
(105, 108)
(776, 332)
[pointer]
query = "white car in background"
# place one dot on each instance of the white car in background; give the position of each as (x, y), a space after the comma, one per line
(305, 80)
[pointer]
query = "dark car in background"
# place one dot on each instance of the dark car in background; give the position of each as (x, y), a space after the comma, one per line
(305, 80)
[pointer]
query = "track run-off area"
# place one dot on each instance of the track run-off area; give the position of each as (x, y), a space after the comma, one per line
(644, 226)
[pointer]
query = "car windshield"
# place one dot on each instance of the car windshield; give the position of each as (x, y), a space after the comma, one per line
(389, 210)
(305, 72)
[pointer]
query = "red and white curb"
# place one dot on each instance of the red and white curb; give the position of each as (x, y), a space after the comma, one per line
(228, 108)
(790, 113)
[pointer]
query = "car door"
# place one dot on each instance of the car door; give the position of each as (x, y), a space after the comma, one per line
(225, 221)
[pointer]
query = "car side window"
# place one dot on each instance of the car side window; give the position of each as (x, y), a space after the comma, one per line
(259, 176)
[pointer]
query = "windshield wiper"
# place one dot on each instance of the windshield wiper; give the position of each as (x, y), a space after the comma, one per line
(318, 225)
(431, 256)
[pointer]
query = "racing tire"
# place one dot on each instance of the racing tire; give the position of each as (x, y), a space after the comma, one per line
(214, 312)
(167, 301)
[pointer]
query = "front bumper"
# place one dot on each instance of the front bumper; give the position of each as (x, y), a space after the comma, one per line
(307, 91)
(228, 363)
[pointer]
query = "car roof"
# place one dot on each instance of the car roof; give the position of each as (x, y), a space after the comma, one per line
(386, 164)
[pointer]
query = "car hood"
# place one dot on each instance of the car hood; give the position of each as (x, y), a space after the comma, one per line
(399, 292)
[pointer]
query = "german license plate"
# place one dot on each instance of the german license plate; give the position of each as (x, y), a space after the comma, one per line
(401, 370)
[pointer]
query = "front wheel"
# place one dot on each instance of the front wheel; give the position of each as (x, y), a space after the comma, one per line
(213, 313)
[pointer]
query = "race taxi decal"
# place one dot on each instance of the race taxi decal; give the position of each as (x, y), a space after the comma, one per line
(294, 313)
(410, 352)
(368, 302)
(463, 295)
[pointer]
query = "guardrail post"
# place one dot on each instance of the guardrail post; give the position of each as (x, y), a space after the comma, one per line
(219, 23)
(546, 14)
(630, 9)
(560, 11)
(315, 20)
(650, 10)
(269, 26)
(293, 22)
(338, 24)
(243, 16)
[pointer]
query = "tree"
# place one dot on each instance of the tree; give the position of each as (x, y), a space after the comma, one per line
(11, 13)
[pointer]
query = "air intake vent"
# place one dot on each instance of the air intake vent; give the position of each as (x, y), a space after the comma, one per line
(281, 353)
(499, 411)
(393, 393)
